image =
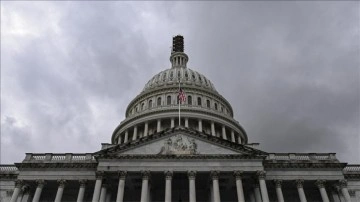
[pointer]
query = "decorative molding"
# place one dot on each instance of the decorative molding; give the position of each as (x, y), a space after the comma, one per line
(214, 174)
(302, 164)
(179, 145)
(23, 166)
(299, 183)
(352, 192)
(168, 175)
(191, 174)
(278, 183)
(25, 189)
(238, 174)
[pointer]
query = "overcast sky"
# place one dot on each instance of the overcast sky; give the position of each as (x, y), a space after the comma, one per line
(289, 69)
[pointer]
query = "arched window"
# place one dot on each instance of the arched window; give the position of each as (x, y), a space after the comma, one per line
(142, 106)
(215, 106)
(158, 101)
(150, 103)
(199, 101)
(168, 100)
(208, 103)
(189, 100)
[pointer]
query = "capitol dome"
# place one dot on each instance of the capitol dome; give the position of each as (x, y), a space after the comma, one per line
(156, 108)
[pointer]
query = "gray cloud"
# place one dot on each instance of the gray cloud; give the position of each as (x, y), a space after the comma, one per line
(289, 69)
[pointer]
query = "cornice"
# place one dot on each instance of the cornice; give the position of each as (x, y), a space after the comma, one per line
(156, 156)
(303, 164)
(23, 166)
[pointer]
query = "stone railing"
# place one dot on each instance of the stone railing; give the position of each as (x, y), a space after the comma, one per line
(6, 168)
(355, 168)
(67, 157)
(301, 156)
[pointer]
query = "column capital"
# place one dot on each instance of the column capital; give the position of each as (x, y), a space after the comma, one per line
(261, 174)
(19, 183)
(145, 174)
(25, 188)
(278, 183)
(352, 192)
(238, 174)
(40, 183)
(99, 175)
(320, 183)
(299, 183)
(191, 174)
(168, 174)
(214, 174)
(61, 183)
(83, 183)
(343, 184)
(122, 174)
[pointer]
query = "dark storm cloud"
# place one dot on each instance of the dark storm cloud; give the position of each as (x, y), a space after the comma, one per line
(289, 69)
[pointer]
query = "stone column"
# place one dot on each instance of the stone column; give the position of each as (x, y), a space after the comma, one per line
(213, 128)
(257, 192)
(172, 123)
(168, 178)
(279, 193)
(300, 184)
(103, 192)
(186, 122)
(126, 138)
(26, 193)
(17, 190)
(146, 129)
(344, 190)
(40, 185)
(262, 183)
(239, 139)
(134, 133)
(97, 189)
(60, 190)
(232, 136)
(81, 193)
(321, 185)
(200, 125)
(108, 196)
(158, 127)
(192, 189)
(119, 139)
(121, 187)
(239, 186)
(145, 185)
(215, 179)
(224, 133)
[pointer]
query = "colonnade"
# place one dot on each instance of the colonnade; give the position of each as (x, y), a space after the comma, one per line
(100, 190)
(225, 132)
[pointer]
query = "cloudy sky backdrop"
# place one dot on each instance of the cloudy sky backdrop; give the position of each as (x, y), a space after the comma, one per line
(289, 69)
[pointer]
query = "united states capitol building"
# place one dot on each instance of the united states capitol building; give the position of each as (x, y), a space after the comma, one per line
(204, 156)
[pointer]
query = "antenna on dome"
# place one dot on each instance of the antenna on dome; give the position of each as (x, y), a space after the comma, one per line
(178, 58)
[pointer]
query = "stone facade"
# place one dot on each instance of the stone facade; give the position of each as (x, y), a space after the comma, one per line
(203, 156)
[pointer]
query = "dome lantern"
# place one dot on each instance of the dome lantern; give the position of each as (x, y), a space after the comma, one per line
(178, 58)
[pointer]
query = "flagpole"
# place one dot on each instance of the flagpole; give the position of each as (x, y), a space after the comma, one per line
(179, 102)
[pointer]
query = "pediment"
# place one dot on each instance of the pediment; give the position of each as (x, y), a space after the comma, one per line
(179, 142)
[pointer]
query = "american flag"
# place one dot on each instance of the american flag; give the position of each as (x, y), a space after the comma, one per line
(181, 96)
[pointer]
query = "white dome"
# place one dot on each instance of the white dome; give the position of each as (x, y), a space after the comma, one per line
(171, 76)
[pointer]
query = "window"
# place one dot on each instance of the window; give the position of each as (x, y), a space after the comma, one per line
(208, 103)
(199, 101)
(150, 103)
(189, 100)
(168, 100)
(215, 106)
(142, 106)
(158, 101)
